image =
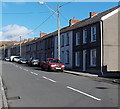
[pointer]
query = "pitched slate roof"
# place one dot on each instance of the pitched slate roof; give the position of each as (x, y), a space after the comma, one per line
(79, 24)
(84, 22)
(96, 18)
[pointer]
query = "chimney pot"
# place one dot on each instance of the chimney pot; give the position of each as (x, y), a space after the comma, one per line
(92, 14)
(42, 34)
(73, 21)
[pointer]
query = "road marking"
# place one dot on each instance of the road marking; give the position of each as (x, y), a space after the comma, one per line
(49, 79)
(25, 69)
(83, 93)
(33, 73)
(20, 67)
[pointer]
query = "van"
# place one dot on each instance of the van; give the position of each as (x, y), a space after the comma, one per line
(12, 58)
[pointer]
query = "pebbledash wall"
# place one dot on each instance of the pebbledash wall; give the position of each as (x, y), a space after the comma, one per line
(111, 41)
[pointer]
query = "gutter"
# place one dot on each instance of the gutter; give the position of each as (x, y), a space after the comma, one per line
(101, 31)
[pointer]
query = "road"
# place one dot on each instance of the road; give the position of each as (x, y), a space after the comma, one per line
(37, 88)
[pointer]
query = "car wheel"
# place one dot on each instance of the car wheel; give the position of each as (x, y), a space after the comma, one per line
(48, 69)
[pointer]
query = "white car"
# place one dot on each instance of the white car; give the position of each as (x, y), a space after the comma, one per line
(16, 59)
(12, 58)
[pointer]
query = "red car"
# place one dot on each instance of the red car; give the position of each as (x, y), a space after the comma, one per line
(52, 64)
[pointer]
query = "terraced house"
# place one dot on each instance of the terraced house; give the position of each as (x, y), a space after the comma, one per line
(96, 43)
(90, 45)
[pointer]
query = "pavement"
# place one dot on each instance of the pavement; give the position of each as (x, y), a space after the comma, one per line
(3, 100)
(111, 80)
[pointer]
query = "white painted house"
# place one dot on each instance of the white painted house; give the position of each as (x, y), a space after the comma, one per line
(65, 49)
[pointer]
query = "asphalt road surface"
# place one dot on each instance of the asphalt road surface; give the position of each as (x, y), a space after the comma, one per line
(37, 88)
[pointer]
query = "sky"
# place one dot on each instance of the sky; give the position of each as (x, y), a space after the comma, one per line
(28, 19)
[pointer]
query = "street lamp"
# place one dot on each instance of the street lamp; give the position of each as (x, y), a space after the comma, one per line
(58, 13)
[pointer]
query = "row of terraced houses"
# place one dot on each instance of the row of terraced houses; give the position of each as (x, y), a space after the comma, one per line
(90, 45)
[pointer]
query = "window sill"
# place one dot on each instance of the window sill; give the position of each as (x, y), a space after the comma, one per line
(67, 63)
(67, 44)
(92, 41)
(92, 65)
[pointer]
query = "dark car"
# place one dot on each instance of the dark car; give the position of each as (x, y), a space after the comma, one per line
(33, 62)
(23, 61)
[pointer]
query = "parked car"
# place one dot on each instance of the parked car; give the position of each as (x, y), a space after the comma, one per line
(23, 61)
(16, 59)
(12, 58)
(7, 59)
(52, 64)
(33, 62)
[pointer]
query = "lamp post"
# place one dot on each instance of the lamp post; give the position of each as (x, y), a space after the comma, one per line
(58, 15)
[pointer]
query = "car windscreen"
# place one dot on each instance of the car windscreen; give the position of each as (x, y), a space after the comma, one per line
(54, 61)
(23, 59)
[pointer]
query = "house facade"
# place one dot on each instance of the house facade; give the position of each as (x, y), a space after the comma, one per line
(66, 54)
(96, 43)
(90, 45)
(86, 48)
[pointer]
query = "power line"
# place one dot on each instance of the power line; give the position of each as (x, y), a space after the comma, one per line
(25, 13)
(41, 23)
(63, 16)
(65, 4)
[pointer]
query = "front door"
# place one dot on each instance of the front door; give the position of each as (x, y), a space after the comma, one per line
(84, 60)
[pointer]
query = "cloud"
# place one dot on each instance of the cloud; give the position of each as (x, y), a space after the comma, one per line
(12, 32)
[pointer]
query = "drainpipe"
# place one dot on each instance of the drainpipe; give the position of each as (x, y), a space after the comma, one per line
(101, 30)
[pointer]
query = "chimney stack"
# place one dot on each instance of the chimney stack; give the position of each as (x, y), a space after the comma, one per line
(30, 39)
(42, 34)
(92, 14)
(73, 21)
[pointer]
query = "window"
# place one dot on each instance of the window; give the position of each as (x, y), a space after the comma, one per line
(93, 57)
(77, 59)
(67, 56)
(67, 39)
(85, 36)
(77, 36)
(93, 33)
(62, 43)
(62, 57)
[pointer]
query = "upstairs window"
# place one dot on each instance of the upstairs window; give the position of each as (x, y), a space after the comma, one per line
(77, 36)
(67, 39)
(85, 36)
(93, 33)
(62, 42)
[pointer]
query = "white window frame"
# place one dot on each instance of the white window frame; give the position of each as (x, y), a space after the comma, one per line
(93, 33)
(77, 36)
(77, 59)
(84, 36)
(93, 57)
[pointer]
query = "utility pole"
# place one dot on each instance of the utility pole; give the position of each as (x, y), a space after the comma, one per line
(4, 50)
(20, 46)
(58, 12)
